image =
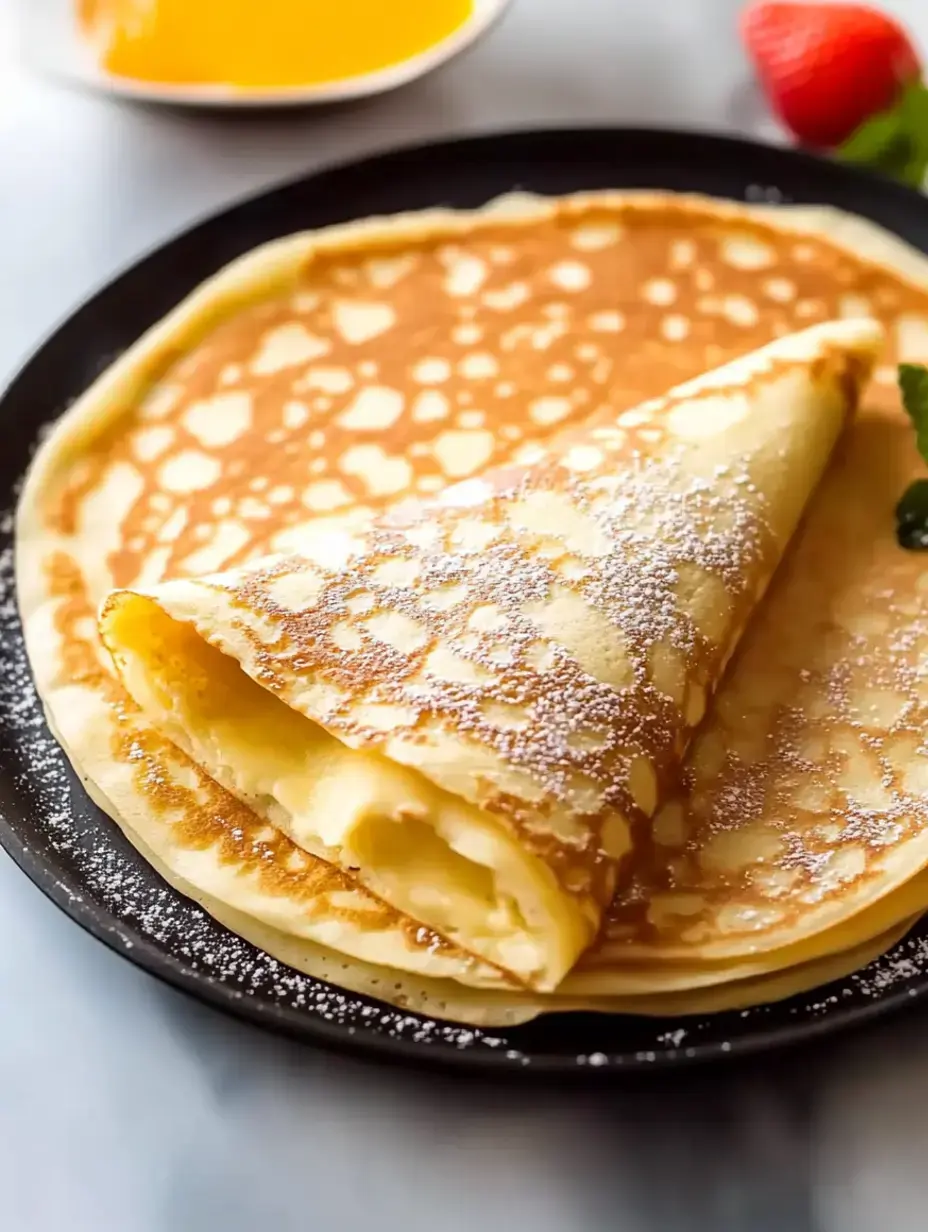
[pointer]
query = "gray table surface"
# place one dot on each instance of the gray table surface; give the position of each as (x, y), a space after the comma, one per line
(124, 1107)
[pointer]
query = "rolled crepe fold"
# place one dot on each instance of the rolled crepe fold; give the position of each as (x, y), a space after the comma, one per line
(470, 705)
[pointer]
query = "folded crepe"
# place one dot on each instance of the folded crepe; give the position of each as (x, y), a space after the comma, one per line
(266, 403)
(469, 704)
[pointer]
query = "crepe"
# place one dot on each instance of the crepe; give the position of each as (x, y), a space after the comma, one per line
(804, 800)
(465, 706)
(159, 472)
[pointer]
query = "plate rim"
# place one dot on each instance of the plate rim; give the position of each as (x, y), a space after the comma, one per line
(416, 149)
(312, 1030)
(128, 941)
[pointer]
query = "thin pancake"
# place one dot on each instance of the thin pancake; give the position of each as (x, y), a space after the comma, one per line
(467, 713)
(804, 799)
(776, 985)
(135, 485)
(447, 998)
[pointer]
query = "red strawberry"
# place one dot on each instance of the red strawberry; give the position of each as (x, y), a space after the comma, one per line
(827, 68)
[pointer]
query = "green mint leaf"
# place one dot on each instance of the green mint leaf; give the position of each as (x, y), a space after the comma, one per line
(913, 385)
(876, 140)
(912, 510)
(912, 517)
(894, 142)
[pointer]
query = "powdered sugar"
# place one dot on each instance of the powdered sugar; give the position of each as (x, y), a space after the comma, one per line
(84, 863)
(100, 876)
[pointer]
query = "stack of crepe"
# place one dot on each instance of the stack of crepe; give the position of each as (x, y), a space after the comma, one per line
(400, 616)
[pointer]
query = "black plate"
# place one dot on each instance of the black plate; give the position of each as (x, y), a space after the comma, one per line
(76, 856)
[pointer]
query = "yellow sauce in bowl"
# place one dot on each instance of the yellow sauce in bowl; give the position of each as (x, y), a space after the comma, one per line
(263, 44)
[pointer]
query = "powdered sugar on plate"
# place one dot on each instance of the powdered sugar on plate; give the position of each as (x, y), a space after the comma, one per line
(81, 860)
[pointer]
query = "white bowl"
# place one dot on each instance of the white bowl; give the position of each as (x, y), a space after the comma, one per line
(53, 45)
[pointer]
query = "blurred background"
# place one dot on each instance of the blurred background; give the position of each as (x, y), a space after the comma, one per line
(105, 180)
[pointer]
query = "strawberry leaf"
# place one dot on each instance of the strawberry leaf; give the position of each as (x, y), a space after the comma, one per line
(912, 517)
(913, 385)
(895, 141)
(912, 510)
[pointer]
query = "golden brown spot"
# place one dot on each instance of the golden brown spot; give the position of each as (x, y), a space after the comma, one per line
(746, 252)
(150, 443)
(595, 236)
(287, 346)
(431, 371)
(582, 458)
(669, 828)
(386, 272)
(682, 254)
(326, 495)
(467, 334)
(381, 474)
(465, 274)
(373, 409)
(675, 327)
(780, 290)
(615, 837)
(189, 471)
(571, 276)
(912, 337)
(445, 597)
(661, 292)
(345, 636)
(430, 405)
(740, 310)
(359, 322)
(549, 410)
(329, 380)
(160, 402)
(478, 367)
(453, 668)
(219, 420)
(608, 322)
(462, 453)
(507, 298)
